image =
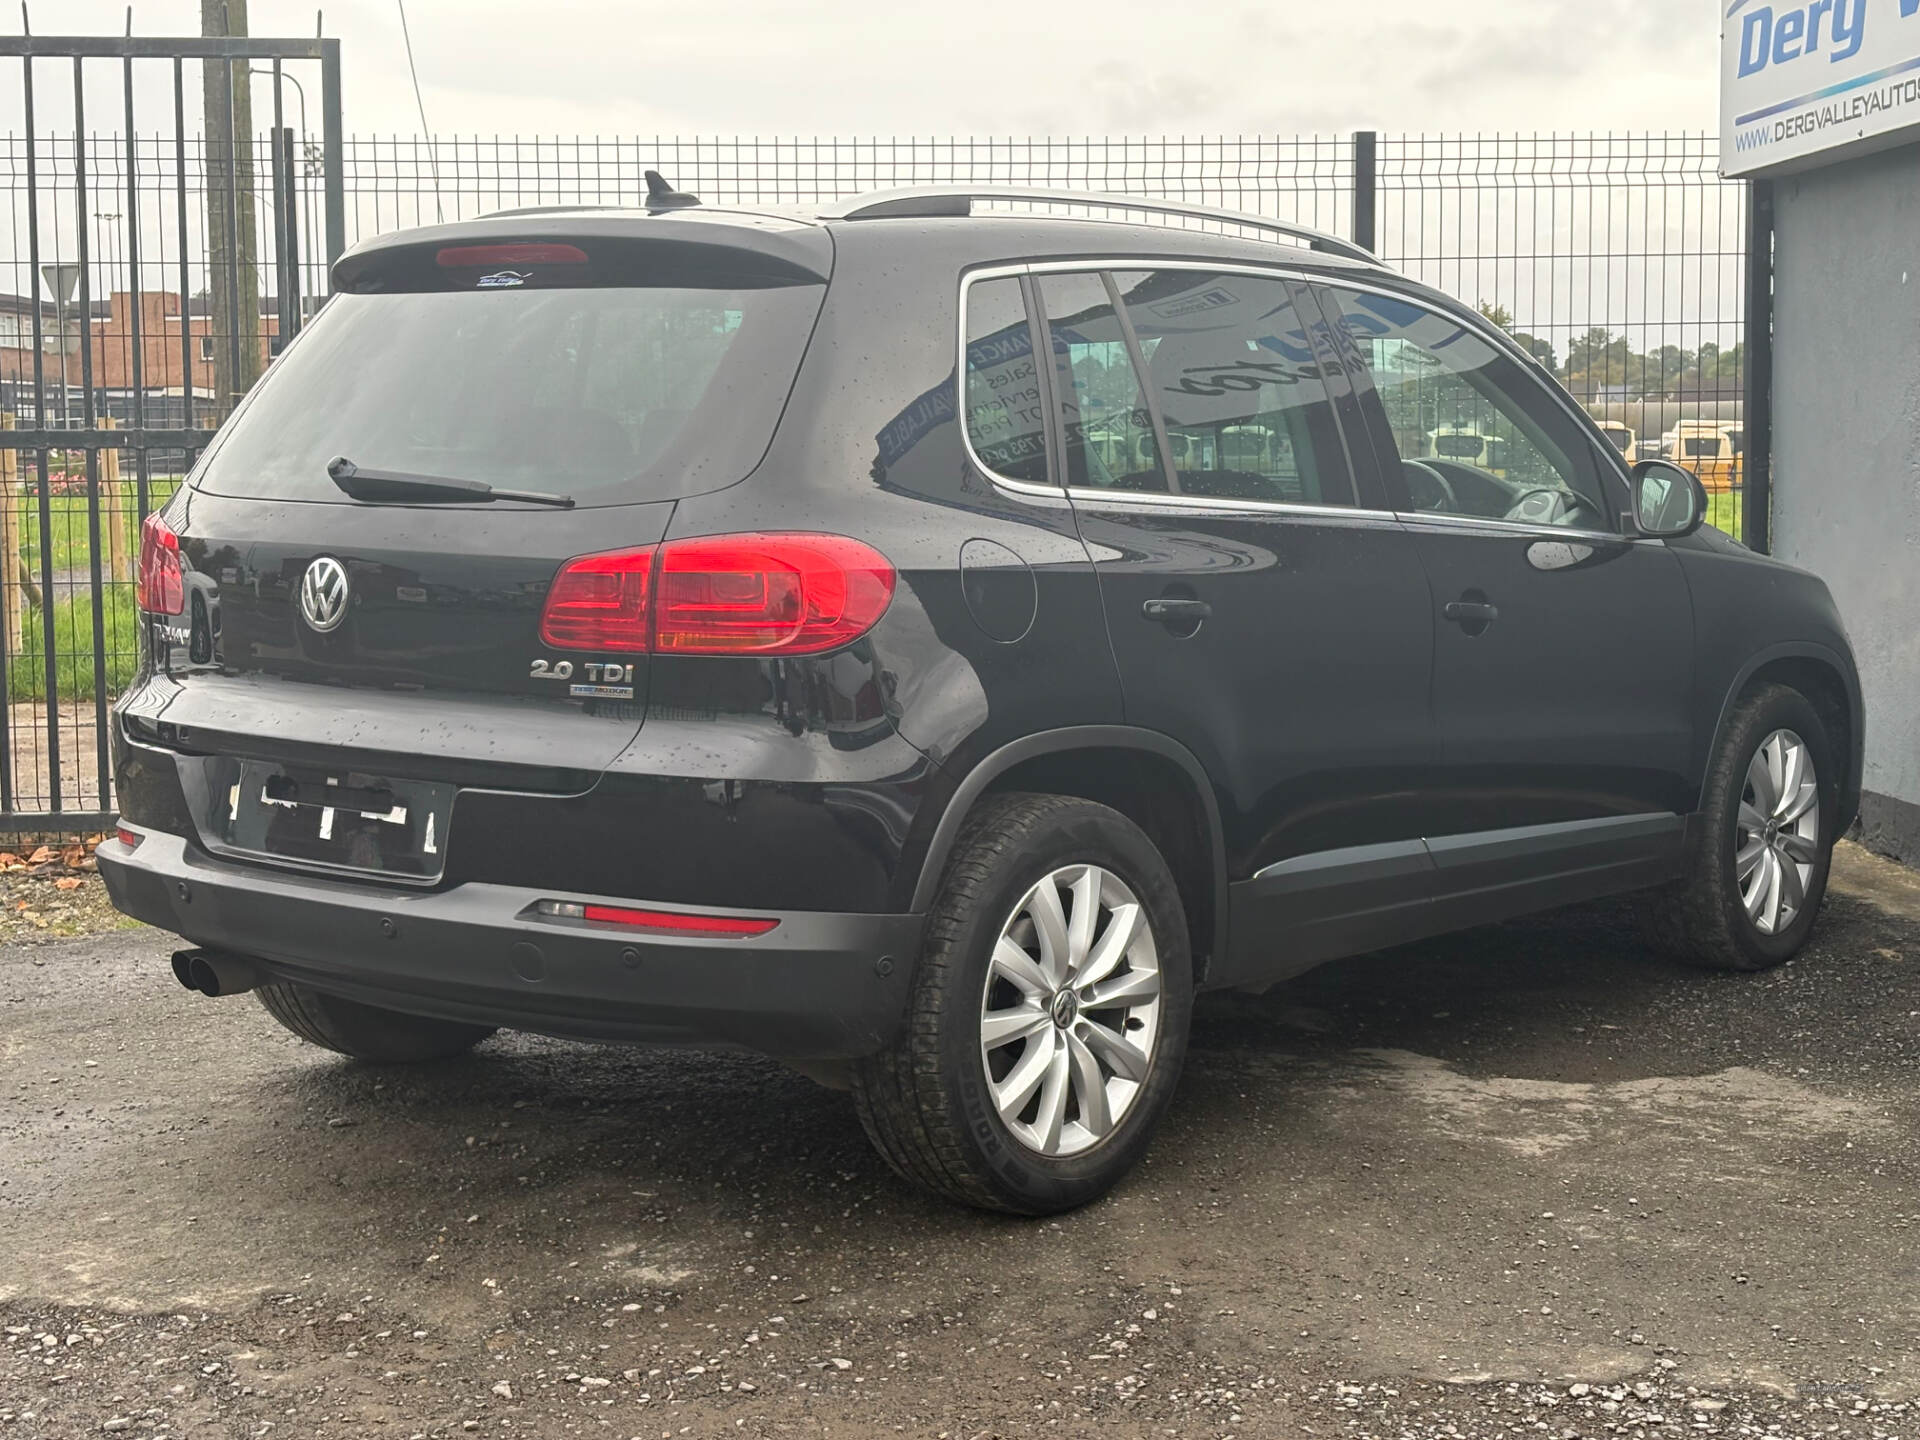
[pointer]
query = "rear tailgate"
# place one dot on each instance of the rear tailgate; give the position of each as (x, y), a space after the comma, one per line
(437, 664)
(618, 363)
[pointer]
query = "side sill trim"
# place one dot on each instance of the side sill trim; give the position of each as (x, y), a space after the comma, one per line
(1359, 863)
(1350, 865)
(1452, 851)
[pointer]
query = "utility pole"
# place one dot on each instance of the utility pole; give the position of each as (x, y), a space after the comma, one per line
(233, 279)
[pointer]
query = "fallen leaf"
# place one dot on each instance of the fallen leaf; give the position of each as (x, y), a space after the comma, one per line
(74, 855)
(41, 856)
(67, 882)
(7, 857)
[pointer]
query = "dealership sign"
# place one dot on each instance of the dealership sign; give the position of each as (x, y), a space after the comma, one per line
(1800, 80)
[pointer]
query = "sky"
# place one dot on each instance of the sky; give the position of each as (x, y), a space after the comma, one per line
(905, 67)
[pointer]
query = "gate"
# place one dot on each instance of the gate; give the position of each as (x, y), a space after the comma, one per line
(139, 320)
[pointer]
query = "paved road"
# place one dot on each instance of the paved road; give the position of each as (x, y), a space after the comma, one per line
(1522, 1178)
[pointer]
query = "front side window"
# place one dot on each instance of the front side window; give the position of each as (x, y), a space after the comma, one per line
(1006, 423)
(1239, 387)
(1476, 435)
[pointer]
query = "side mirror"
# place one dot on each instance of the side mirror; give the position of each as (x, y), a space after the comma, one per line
(1668, 502)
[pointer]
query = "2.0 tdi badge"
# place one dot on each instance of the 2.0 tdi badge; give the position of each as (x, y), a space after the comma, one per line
(324, 591)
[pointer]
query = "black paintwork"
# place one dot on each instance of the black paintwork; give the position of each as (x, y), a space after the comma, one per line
(1324, 717)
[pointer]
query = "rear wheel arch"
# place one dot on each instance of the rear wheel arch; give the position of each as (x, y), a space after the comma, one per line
(1819, 674)
(1152, 779)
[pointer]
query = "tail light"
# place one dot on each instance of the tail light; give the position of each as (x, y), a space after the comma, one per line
(162, 587)
(779, 594)
(599, 602)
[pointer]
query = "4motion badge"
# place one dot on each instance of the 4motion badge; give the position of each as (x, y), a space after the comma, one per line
(608, 680)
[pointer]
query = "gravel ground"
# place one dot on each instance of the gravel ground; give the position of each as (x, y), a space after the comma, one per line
(35, 910)
(1523, 1181)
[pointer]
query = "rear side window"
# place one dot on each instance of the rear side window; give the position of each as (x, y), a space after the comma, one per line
(1005, 421)
(1104, 420)
(611, 394)
(1239, 387)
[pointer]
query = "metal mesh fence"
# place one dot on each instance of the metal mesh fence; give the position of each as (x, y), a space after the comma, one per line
(1617, 259)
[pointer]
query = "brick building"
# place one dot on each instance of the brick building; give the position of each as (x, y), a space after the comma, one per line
(160, 322)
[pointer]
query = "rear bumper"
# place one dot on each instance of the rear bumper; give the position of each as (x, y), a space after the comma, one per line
(819, 986)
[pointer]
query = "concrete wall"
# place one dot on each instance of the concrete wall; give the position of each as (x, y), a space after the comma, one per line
(1846, 496)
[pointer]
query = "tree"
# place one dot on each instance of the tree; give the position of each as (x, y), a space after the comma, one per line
(1598, 361)
(1541, 350)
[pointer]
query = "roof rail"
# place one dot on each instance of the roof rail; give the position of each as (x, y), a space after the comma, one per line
(925, 202)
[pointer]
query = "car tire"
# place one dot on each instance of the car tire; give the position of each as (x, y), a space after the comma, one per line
(366, 1032)
(944, 1104)
(1728, 914)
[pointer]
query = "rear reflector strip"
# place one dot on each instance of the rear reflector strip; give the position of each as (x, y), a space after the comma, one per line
(663, 922)
(127, 837)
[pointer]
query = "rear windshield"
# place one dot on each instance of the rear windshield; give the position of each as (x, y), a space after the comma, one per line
(608, 394)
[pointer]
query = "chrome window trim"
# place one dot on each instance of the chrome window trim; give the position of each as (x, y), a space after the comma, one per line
(1121, 499)
(1309, 276)
(1428, 519)
(1154, 500)
(1002, 482)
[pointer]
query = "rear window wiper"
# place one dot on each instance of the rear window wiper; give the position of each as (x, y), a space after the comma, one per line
(395, 487)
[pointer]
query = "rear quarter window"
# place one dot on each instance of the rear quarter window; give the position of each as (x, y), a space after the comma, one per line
(1005, 421)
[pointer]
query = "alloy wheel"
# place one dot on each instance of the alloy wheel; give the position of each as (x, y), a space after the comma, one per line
(1071, 1010)
(1777, 835)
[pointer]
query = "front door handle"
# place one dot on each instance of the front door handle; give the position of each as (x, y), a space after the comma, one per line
(1174, 610)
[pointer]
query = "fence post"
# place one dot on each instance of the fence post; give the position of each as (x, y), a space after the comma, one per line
(1365, 189)
(1756, 458)
(333, 161)
(11, 561)
(113, 514)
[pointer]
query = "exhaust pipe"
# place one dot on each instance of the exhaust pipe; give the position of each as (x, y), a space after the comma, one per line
(214, 974)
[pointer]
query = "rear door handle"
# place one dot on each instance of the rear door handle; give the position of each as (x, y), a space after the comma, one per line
(1471, 613)
(1175, 611)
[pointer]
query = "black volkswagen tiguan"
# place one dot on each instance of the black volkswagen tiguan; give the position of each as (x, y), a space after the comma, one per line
(928, 641)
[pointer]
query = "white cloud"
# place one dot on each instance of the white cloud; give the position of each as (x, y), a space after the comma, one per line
(915, 67)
